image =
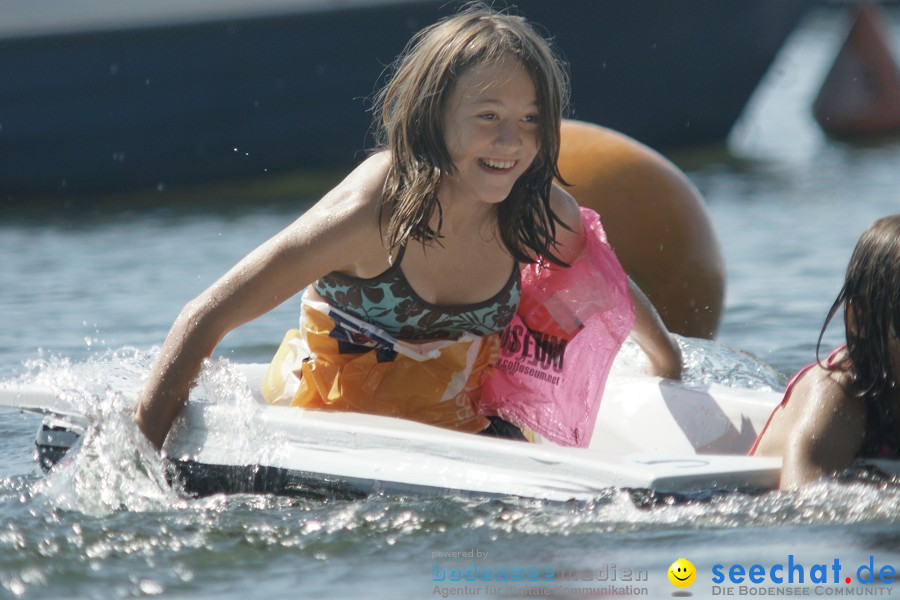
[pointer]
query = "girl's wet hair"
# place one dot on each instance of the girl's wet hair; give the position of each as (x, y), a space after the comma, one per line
(410, 113)
(871, 300)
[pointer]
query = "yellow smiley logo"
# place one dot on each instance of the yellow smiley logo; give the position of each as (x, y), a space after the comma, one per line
(682, 573)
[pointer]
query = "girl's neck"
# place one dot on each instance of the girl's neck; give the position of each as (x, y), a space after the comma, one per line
(459, 215)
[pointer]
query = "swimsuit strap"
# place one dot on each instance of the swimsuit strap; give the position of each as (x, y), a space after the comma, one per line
(790, 390)
(390, 302)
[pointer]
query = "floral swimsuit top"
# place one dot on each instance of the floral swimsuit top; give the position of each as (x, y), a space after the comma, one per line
(388, 301)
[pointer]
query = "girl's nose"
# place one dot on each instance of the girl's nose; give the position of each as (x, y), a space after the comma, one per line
(508, 133)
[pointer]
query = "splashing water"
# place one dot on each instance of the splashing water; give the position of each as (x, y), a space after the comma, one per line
(706, 362)
(114, 467)
(108, 520)
(108, 517)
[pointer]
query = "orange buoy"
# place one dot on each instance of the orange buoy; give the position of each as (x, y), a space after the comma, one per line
(656, 222)
(861, 93)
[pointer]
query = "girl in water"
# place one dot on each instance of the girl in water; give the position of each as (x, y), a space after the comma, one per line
(424, 241)
(847, 406)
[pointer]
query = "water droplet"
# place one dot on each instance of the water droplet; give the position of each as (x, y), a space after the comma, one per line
(184, 573)
(150, 587)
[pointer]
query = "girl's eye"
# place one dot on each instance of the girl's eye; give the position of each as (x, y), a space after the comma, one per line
(531, 118)
(488, 116)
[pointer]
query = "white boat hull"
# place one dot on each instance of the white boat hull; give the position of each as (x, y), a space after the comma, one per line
(651, 434)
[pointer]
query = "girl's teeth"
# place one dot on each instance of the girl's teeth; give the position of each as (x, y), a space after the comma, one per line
(499, 164)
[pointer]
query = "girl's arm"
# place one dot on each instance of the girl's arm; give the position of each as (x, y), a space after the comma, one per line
(339, 233)
(651, 335)
(649, 331)
(569, 242)
(827, 432)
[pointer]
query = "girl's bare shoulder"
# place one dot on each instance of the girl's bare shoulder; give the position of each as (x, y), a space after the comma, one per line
(359, 193)
(564, 205)
(830, 394)
(342, 228)
(570, 239)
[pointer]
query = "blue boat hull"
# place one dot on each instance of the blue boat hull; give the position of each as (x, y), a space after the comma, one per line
(151, 106)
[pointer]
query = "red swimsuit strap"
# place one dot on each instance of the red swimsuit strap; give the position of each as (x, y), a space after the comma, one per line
(789, 390)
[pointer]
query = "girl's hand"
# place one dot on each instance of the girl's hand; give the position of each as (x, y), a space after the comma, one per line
(652, 336)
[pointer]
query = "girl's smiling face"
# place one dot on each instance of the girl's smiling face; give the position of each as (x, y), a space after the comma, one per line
(491, 127)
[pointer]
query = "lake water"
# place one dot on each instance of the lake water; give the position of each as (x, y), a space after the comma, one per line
(90, 295)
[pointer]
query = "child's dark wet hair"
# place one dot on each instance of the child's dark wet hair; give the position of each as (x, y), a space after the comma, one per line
(410, 115)
(871, 300)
